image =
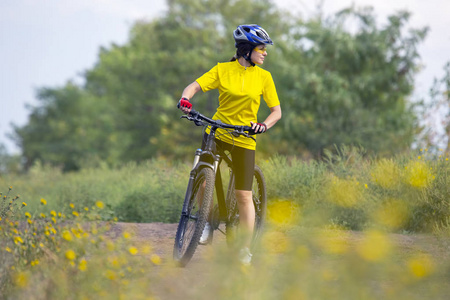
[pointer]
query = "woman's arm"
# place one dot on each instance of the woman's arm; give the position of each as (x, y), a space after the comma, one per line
(191, 90)
(274, 116)
(271, 120)
(188, 93)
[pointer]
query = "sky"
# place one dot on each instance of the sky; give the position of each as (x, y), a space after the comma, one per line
(45, 43)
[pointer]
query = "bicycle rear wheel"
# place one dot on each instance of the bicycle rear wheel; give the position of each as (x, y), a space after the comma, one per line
(192, 222)
(259, 196)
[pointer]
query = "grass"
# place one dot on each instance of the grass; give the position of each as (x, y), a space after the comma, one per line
(337, 229)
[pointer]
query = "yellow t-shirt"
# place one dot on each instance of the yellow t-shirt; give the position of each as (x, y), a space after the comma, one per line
(240, 90)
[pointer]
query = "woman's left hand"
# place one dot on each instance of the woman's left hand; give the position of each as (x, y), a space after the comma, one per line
(259, 127)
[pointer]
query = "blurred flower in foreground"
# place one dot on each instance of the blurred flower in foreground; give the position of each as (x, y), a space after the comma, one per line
(418, 174)
(344, 192)
(21, 279)
(275, 242)
(283, 213)
(333, 241)
(375, 246)
(155, 259)
(393, 214)
(421, 266)
(386, 173)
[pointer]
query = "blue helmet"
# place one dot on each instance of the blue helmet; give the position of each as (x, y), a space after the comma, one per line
(253, 34)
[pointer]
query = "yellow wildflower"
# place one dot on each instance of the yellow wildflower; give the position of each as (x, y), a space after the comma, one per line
(333, 241)
(133, 250)
(71, 255)
(24, 204)
(8, 249)
(418, 174)
(421, 266)
(53, 213)
(20, 279)
(83, 265)
(72, 205)
(283, 213)
(276, 242)
(344, 192)
(28, 215)
(393, 213)
(43, 201)
(155, 259)
(374, 247)
(76, 214)
(147, 249)
(34, 263)
(99, 204)
(386, 173)
(110, 274)
(18, 240)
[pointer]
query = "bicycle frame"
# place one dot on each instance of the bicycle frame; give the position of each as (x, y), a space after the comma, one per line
(216, 155)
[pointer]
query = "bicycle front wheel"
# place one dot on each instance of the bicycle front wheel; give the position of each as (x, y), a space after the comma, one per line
(259, 196)
(193, 221)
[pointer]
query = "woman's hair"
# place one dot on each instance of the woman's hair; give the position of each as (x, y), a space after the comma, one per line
(241, 50)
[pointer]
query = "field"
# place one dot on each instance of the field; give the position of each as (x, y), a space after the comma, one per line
(349, 227)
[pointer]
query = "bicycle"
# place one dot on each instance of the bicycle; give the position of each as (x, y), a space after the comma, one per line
(197, 202)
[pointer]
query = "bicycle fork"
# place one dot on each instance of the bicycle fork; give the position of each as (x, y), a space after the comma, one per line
(192, 175)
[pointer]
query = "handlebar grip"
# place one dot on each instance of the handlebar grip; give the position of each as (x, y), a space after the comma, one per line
(249, 130)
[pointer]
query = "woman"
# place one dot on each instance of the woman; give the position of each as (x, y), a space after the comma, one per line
(241, 84)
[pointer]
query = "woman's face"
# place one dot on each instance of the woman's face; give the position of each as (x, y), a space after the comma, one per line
(258, 54)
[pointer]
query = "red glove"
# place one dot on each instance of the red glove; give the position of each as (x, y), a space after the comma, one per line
(184, 102)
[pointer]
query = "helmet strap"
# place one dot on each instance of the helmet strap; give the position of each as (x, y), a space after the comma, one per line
(248, 56)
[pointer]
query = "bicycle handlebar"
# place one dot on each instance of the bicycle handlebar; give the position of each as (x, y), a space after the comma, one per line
(199, 120)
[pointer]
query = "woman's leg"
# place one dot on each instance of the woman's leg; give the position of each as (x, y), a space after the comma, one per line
(246, 215)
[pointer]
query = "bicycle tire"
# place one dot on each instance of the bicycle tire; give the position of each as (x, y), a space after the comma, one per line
(259, 196)
(191, 225)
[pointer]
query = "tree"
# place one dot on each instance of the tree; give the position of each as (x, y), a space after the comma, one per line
(336, 85)
(350, 87)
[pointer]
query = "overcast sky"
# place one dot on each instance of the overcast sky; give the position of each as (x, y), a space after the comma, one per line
(48, 42)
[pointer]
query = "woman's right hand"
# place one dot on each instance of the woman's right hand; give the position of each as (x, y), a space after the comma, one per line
(184, 105)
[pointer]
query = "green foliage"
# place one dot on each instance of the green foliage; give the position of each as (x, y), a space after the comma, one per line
(405, 193)
(337, 85)
(147, 192)
(158, 200)
(349, 87)
(348, 189)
